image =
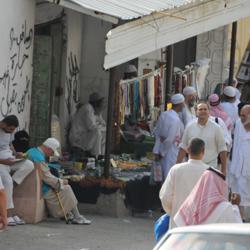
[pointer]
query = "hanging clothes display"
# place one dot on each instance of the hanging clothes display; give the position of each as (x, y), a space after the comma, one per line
(183, 78)
(139, 96)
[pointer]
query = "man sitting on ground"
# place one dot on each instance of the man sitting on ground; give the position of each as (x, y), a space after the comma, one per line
(53, 186)
(9, 164)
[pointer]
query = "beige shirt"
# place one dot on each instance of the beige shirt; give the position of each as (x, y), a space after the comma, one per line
(178, 184)
(211, 134)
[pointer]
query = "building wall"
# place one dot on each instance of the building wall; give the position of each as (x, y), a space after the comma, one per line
(214, 45)
(16, 50)
(92, 75)
(71, 67)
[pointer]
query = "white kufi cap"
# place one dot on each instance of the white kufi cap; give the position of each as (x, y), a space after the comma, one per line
(189, 90)
(53, 144)
(177, 99)
(229, 91)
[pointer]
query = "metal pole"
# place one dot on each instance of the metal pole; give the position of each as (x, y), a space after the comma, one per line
(109, 121)
(232, 53)
(169, 72)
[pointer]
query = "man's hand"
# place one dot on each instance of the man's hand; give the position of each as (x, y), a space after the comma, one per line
(162, 139)
(9, 161)
(157, 157)
(20, 155)
(235, 199)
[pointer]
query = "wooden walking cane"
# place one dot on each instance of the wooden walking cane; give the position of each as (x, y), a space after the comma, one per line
(61, 206)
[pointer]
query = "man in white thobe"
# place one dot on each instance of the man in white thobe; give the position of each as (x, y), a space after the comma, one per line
(240, 168)
(211, 133)
(188, 112)
(168, 133)
(88, 129)
(182, 178)
(230, 103)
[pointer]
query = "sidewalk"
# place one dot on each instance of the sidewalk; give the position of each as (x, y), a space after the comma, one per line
(105, 233)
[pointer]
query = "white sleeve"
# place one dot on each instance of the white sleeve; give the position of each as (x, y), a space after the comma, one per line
(171, 136)
(167, 192)
(1, 184)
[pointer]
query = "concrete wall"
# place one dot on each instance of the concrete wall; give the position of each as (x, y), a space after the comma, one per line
(92, 76)
(71, 66)
(214, 45)
(149, 61)
(16, 50)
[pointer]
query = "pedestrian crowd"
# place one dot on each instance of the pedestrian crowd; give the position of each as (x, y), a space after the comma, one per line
(203, 149)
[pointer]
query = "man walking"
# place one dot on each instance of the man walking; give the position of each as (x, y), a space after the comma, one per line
(168, 133)
(210, 133)
(240, 168)
(182, 178)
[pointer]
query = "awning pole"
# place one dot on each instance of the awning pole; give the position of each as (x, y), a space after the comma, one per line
(110, 122)
(232, 53)
(169, 72)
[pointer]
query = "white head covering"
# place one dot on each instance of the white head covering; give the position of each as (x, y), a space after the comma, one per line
(189, 91)
(177, 99)
(229, 91)
(130, 68)
(54, 144)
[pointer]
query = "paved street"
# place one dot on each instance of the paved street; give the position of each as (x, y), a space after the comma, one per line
(105, 233)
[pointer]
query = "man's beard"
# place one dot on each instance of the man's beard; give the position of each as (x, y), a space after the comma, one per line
(191, 104)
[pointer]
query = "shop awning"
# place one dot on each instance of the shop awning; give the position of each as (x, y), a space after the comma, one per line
(125, 9)
(164, 28)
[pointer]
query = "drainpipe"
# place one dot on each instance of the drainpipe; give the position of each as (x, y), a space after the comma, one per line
(232, 52)
(169, 73)
(110, 121)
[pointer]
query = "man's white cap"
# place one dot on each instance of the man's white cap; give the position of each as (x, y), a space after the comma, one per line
(130, 68)
(229, 91)
(53, 144)
(189, 91)
(177, 99)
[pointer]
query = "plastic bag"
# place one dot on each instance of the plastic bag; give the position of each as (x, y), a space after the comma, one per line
(157, 171)
(161, 226)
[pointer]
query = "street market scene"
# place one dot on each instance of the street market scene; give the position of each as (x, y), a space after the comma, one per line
(125, 124)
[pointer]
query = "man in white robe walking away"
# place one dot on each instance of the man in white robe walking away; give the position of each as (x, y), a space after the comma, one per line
(211, 133)
(168, 133)
(182, 178)
(208, 202)
(240, 165)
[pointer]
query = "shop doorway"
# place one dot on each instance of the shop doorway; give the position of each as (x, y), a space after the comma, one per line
(46, 86)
